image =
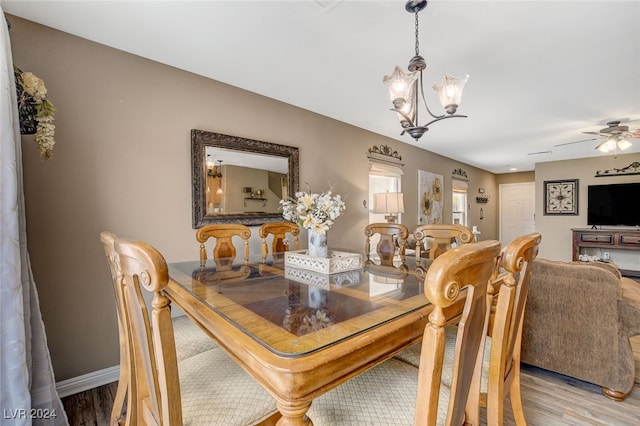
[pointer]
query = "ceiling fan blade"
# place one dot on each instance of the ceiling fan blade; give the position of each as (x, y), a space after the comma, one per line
(592, 133)
(571, 143)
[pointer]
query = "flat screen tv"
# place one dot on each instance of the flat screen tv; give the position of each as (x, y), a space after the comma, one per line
(615, 204)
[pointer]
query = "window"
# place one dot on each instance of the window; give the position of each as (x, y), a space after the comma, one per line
(383, 178)
(459, 204)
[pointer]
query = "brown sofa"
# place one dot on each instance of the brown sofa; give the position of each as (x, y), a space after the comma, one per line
(578, 321)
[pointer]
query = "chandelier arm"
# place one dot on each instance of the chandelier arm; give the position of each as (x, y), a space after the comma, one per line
(443, 117)
(424, 101)
(404, 115)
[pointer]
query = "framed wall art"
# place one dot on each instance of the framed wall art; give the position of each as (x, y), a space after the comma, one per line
(561, 197)
(430, 198)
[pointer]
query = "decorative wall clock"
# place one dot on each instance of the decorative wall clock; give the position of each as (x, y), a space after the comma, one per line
(561, 197)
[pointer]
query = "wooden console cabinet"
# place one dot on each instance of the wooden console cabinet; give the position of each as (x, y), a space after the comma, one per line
(628, 239)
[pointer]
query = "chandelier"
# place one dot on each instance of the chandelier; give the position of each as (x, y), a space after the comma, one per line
(405, 89)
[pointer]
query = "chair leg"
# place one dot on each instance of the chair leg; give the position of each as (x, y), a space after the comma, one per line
(118, 413)
(516, 399)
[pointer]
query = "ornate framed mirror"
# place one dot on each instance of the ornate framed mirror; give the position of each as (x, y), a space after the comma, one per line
(238, 180)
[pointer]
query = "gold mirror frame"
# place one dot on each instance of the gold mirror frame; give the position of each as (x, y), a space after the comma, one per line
(200, 140)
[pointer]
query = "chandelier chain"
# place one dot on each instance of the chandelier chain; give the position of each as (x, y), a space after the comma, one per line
(417, 38)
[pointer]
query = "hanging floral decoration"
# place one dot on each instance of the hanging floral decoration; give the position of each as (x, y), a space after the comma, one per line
(36, 112)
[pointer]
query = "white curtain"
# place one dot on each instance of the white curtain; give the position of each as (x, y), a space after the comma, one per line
(27, 385)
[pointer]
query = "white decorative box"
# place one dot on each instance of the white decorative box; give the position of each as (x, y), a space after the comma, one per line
(337, 261)
(321, 280)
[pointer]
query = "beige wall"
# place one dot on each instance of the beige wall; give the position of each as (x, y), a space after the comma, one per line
(122, 163)
(556, 230)
(519, 177)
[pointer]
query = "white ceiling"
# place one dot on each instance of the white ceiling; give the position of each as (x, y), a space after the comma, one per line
(541, 72)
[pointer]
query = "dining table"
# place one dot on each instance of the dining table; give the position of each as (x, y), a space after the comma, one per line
(299, 332)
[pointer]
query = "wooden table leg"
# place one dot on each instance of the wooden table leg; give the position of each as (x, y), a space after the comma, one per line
(294, 413)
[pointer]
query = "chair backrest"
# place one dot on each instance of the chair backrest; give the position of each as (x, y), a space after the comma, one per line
(463, 271)
(224, 252)
(511, 288)
(154, 376)
(280, 242)
(390, 233)
(443, 236)
(124, 392)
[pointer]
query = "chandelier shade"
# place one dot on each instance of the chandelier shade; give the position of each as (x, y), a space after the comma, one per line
(401, 93)
(450, 92)
(405, 89)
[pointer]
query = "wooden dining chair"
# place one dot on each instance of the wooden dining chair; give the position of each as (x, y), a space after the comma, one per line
(393, 237)
(511, 289)
(207, 388)
(224, 252)
(394, 392)
(280, 242)
(442, 236)
(506, 298)
(123, 397)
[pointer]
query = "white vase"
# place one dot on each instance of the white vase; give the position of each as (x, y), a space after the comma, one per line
(317, 244)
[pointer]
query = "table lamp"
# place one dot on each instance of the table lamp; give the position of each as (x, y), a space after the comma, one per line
(390, 204)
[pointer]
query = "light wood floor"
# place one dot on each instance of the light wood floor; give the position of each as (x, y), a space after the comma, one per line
(549, 399)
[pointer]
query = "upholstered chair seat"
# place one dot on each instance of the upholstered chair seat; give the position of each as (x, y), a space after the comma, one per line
(190, 340)
(230, 397)
(386, 395)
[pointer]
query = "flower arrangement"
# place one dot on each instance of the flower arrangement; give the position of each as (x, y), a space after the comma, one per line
(33, 104)
(312, 210)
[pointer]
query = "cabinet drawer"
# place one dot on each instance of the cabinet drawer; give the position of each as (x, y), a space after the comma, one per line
(596, 238)
(630, 240)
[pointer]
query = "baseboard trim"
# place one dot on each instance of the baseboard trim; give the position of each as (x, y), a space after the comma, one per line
(88, 381)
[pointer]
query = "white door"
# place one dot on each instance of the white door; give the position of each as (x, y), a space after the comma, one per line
(517, 210)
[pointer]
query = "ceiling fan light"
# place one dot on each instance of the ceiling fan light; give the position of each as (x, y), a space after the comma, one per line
(623, 144)
(606, 146)
(450, 92)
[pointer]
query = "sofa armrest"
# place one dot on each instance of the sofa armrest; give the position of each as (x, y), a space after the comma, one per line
(629, 306)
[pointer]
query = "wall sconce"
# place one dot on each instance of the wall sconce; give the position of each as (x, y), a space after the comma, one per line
(390, 204)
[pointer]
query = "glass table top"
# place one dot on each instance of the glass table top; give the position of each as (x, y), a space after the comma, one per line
(293, 311)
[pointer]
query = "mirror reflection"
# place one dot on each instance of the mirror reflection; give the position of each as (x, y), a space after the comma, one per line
(238, 180)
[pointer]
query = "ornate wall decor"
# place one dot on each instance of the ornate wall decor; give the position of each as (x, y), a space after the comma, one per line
(430, 198)
(459, 174)
(561, 197)
(385, 154)
(631, 169)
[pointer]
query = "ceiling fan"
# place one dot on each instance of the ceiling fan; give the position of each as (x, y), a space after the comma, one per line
(615, 137)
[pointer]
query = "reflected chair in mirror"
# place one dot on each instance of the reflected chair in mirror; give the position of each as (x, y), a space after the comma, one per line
(441, 237)
(394, 392)
(506, 298)
(392, 240)
(207, 388)
(280, 242)
(224, 252)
